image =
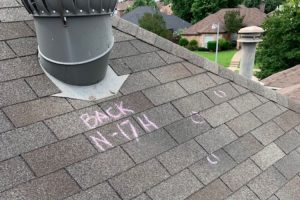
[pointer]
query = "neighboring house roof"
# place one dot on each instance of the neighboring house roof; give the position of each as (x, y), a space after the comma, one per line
(47, 152)
(253, 17)
(172, 22)
(167, 9)
(287, 82)
(122, 6)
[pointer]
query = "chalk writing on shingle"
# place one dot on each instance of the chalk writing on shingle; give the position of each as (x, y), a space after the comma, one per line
(196, 118)
(114, 113)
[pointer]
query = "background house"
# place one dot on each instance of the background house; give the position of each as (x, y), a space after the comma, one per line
(173, 22)
(122, 6)
(203, 32)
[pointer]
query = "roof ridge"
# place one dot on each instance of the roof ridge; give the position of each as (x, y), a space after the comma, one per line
(175, 49)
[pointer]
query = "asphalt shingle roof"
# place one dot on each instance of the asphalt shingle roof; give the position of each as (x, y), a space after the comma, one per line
(180, 128)
(172, 22)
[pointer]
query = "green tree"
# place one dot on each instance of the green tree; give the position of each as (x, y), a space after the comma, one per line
(138, 3)
(270, 4)
(202, 8)
(233, 21)
(280, 48)
(182, 9)
(156, 24)
(251, 3)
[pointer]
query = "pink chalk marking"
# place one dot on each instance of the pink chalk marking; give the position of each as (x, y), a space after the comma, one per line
(87, 120)
(133, 129)
(101, 140)
(101, 117)
(115, 117)
(147, 124)
(220, 94)
(196, 118)
(217, 159)
(123, 110)
(123, 132)
(114, 134)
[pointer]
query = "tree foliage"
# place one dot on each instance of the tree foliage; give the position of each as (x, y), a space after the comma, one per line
(156, 24)
(138, 3)
(280, 48)
(182, 9)
(233, 21)
(271, 5)
(202, 8)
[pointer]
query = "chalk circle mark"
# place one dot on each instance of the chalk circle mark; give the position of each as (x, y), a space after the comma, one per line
(197, 118)
(220, 94)
(215, 160)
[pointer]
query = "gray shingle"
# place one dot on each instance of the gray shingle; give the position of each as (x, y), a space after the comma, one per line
(14, 172)
(5, 51)
(177, 187)
(268, 156)
(142, 62)
(214, 191)
(139, 81)
(127, 27)
(19, 67)
(196, 83)
(36, 110)
(8, 3)
(170, 72)
(142, 46)
(219, 114)
(244, 123)
(245, 103)
(186, 129)
(267, 133)
(120, 36)
(100, 167)
(169, 58)
(288, 120)
(216, 138)
(273, 198)
(243, 148)
(240, 89)
(70, 124)
(243, 194)
(139, 179)
(181, 156)
(164, 44)
(24, 46)
(208, 172)
(267, 111)
(290, 191)
(219, 80)
(14, 14)
(15, 92)
(120, 66)
(165, 93)
(289, 165)
(267, 183)
(122, 49)
(162, 116)
(149, 146)
(42, 85)
(14, 30)
(25, 139)
(240, 175)
(221, 93)
(288, 141)
(58, 185)
(137, 102)
(193, 68)
(101, 191)
(146, 35)
(142, 197)
(5, 124)
(58, 155)
(112, 133)
(193, 103)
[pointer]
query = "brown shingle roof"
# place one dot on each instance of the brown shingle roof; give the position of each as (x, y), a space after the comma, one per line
(253, 17)
(124, 5)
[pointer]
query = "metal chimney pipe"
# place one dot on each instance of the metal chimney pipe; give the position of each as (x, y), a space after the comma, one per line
(249, 37)
(75, 38)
